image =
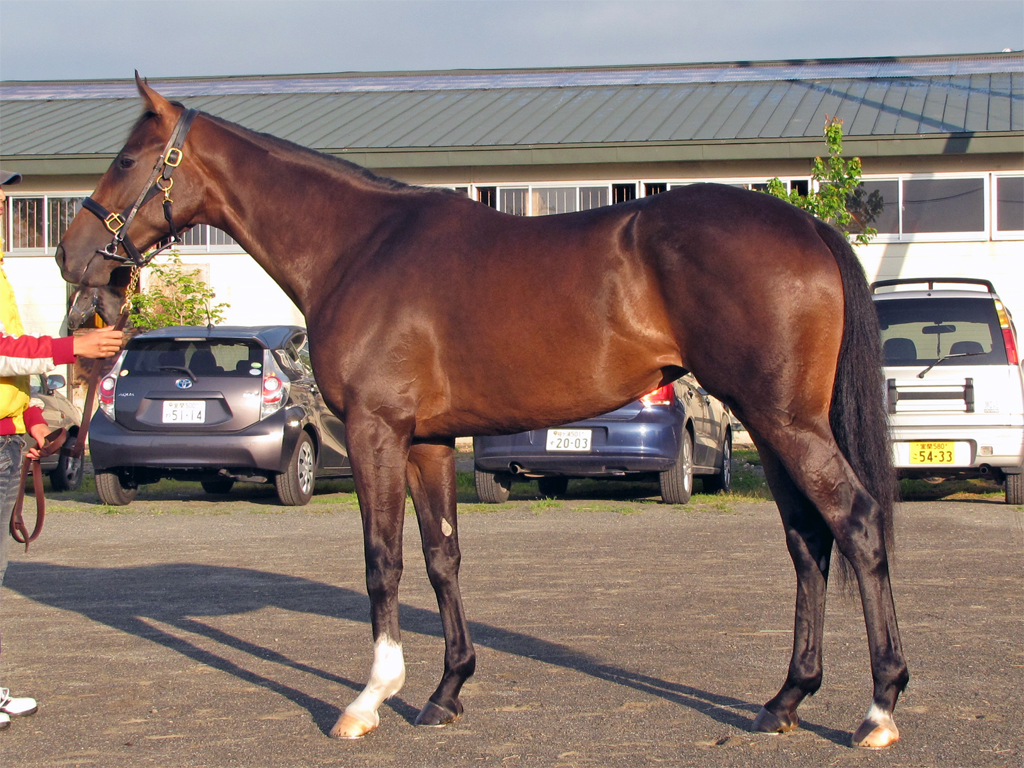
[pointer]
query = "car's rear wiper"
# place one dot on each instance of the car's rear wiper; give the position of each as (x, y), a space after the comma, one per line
(944, 358)
(183, 368)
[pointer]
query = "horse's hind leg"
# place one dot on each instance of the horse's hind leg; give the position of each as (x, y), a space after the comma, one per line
(809, 541)
(379, 453)
(431, 477)
(817, 467)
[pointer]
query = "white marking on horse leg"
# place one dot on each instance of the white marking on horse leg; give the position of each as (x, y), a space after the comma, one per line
(877, 731)
(446, 527)
(387, 675)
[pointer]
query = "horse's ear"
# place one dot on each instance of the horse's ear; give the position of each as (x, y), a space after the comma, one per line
(155, 103)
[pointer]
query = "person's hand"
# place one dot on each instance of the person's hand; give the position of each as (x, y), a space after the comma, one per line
(39, 433)
(103, 342)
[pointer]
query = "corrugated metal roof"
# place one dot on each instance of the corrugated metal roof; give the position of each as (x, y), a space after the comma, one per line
(876, 98)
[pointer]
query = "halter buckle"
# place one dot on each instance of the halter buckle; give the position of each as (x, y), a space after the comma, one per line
(114, 222)
(166, 189)
(173, 157)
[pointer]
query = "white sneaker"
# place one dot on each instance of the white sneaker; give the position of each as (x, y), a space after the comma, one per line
(5, 721)
(16, 707)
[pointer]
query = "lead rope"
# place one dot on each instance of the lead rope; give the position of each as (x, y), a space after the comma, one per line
(19, 532)
(94, 374)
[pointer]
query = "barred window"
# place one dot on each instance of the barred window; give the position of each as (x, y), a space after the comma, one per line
(513, 200)
(593, 197)
(27, 229)
(548, 200)
(61, 210)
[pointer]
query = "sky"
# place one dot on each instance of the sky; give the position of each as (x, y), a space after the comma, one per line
(91, 39)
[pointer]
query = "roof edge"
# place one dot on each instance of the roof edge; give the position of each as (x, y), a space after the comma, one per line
(476, 79)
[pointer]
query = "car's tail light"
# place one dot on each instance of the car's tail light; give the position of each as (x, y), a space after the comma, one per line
(107, 386)
(1007, 327)
(275, 386)
(661, 396)
(107, 395)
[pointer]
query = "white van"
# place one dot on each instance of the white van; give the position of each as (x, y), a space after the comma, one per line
(954, 384)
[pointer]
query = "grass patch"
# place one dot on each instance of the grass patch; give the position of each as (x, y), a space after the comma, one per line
(539, 506)
(746, 455)
(627, 510)
(953, 488)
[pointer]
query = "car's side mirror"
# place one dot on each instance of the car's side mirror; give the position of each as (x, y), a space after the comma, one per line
(55, 381)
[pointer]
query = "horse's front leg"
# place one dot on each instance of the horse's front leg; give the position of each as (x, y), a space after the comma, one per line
(379, 452)
(432, 485)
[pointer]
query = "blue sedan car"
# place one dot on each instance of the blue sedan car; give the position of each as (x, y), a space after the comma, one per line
(675, 432)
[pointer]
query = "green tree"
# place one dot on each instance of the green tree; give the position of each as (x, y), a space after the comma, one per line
(836, 194)
(176, 295)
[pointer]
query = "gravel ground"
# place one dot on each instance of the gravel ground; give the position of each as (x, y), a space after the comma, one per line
(182, 631)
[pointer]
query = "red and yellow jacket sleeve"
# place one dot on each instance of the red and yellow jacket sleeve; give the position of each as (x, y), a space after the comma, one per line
(21, 356)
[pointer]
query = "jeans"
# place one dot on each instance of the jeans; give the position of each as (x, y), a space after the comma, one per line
(11, 449)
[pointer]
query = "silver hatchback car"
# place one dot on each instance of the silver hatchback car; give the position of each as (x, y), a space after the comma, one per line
(215, 405)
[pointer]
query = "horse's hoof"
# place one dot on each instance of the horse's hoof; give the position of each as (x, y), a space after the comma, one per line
(351, 726)
(766, 722)
(436, 716)
(872, 735)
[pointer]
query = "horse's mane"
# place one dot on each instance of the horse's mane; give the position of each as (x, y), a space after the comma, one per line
(314, 157)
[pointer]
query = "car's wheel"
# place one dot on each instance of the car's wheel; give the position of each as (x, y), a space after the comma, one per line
(218, 487)
(492, 487)
(1015, 489)
(677, 482)
(110, 490)
(67, 475)
(295, 484)
(721, 481)
(553, 486)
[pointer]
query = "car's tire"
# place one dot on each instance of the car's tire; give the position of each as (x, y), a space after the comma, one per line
(492, 487)
(110, 490)
(721, 481)
(218, 487)
(67, 476)
(295, 484)
(553, 486)
(1015, 489)
(677, 482)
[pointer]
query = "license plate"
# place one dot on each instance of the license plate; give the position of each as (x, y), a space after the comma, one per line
(932, 453)
(577, 440)
(184, 411)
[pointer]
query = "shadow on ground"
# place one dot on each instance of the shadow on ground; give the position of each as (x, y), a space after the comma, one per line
(182, 594)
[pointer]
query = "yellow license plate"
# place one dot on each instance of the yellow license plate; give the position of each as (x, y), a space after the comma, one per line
(931, 453)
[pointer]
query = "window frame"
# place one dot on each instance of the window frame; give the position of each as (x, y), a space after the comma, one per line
(996, 233)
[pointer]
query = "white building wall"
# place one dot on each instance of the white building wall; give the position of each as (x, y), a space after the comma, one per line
(253, 298)
(41, 293)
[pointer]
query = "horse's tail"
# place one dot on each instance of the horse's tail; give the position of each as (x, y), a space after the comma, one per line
(858, 415)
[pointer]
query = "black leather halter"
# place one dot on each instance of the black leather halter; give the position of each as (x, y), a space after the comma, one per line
(160, 181)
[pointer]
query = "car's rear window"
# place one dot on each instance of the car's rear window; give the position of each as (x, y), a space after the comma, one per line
(922, 331)
(202, 358)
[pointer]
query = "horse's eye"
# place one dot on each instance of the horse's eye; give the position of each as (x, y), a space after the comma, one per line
(126, 163)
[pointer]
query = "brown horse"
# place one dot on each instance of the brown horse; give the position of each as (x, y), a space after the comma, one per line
(432, 316)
